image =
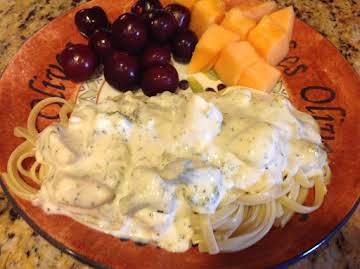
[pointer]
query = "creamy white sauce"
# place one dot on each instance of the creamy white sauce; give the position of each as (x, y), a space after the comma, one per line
(139, 167)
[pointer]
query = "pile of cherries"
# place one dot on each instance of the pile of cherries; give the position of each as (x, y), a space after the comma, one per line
(135, 50)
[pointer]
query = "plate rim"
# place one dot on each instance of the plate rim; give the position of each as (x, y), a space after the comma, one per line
(87, 261)
(62, 247)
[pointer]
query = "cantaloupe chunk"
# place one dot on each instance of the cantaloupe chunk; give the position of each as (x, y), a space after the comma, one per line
(285, 18)
(260, 76)
(233, 3)
(235, 21)
(234, 59)
(187, 3)
(209, 47)
(253, 9)
(204, 13)
(270, 40)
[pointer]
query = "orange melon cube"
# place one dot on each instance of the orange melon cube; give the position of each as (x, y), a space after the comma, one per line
(235, 21)
(260, 76)
(234, 59)
(233, 3)
(209, 47)
(187, 3)
(270, 40)
(204, 13)
(285, 17)
(253, 9)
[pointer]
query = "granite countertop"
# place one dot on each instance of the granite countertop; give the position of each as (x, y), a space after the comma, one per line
(20, 247)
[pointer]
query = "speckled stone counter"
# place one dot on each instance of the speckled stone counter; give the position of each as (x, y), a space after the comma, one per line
(20, 247)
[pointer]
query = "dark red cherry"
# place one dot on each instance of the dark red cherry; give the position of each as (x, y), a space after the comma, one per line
(129, 33)
(147, 16)
(89, 19)
(143, 6)
(159, 78)
(78, 61)
(183, 45)
(162, 26)
(155, 55)
(181, 14)
(100, 42)
(126, 15)
(122, 71)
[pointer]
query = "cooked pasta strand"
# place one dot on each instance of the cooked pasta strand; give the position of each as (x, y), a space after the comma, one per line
(241, 221)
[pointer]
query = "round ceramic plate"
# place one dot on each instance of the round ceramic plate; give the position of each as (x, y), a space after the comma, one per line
(318, 80)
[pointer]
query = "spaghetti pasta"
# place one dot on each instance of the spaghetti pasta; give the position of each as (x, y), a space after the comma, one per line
(235, 225)
(15, 170)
